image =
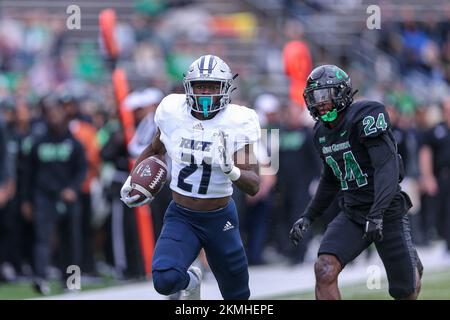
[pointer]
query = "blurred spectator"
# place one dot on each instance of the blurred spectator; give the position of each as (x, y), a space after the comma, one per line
(297, 60)
(7, 190)
(259, 207)
(86, 133)
(299, 167)
(123, 241)
(55, 172)
(435, 169)
(143, 105)
(408, 148)
(20, 147)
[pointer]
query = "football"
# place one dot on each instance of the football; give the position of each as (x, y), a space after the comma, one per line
(148, 178)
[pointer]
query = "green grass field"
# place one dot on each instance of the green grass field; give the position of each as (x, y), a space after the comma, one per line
(435, 286)
(15, 291)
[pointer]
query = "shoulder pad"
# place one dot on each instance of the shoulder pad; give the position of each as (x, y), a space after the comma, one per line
(167, 107)
(245, 122)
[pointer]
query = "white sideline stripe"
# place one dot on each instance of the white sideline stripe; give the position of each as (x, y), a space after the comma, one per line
(265, 281)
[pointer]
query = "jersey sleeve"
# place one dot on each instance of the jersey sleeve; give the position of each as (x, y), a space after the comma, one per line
(372, 121)
(161, 117)
(384, 160)
(249, 131)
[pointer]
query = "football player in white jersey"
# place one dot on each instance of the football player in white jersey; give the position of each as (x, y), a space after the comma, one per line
(210, 143)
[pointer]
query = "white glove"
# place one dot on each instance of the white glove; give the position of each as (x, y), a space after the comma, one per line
(226, 158)
(125, 195)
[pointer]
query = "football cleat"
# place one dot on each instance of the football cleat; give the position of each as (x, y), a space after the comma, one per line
(194, 293)
(41, 286)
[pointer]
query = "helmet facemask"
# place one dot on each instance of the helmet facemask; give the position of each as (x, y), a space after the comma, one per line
(207, 103)
(208, 68)
(328, 84)
(339, 96)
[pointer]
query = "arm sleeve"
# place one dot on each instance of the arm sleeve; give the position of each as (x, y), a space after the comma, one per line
(161, 123)
(326, 192)
(375, 134)
(383, 156)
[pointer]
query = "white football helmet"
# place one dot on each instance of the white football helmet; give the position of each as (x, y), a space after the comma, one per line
(208, 68)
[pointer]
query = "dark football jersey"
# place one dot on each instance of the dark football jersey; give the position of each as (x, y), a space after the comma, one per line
(438, 139)
(343, 149)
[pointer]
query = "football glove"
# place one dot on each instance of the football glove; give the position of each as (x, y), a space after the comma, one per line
(125, 195)
(299, 229)
(373, 230)
(225, 158)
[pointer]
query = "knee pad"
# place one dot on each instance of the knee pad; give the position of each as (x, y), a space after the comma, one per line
(169, 281)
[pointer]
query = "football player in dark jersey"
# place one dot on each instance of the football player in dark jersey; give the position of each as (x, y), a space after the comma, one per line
(362, 165)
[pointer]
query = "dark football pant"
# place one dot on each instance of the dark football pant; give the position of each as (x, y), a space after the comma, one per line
(344, 239)
(46, 217)
(184, 233)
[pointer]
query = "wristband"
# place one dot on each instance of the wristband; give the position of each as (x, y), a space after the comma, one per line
(234, 174)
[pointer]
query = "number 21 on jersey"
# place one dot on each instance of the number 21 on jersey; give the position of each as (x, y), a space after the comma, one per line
(189, 170)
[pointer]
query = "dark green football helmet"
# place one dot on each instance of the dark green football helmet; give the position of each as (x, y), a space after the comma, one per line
(328, 83)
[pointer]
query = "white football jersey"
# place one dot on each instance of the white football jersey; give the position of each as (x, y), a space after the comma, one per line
(192, 144)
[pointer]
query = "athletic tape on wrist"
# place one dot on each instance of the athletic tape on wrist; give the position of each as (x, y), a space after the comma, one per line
(234, 174)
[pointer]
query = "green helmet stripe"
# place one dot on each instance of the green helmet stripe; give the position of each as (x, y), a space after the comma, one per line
(340, 74)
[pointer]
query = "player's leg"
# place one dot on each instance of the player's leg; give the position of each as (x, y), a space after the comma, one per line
(400, 259)
(444, 189)
(69, 231)
(175, 250)
(225, 253)
(44, 219)
(327, 269)
(341, 244)
(419, 272)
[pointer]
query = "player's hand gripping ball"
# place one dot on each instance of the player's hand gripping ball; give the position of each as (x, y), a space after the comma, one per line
(147, 179)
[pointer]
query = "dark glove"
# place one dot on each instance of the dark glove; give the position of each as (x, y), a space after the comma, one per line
(373, 230)
(298, 229)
